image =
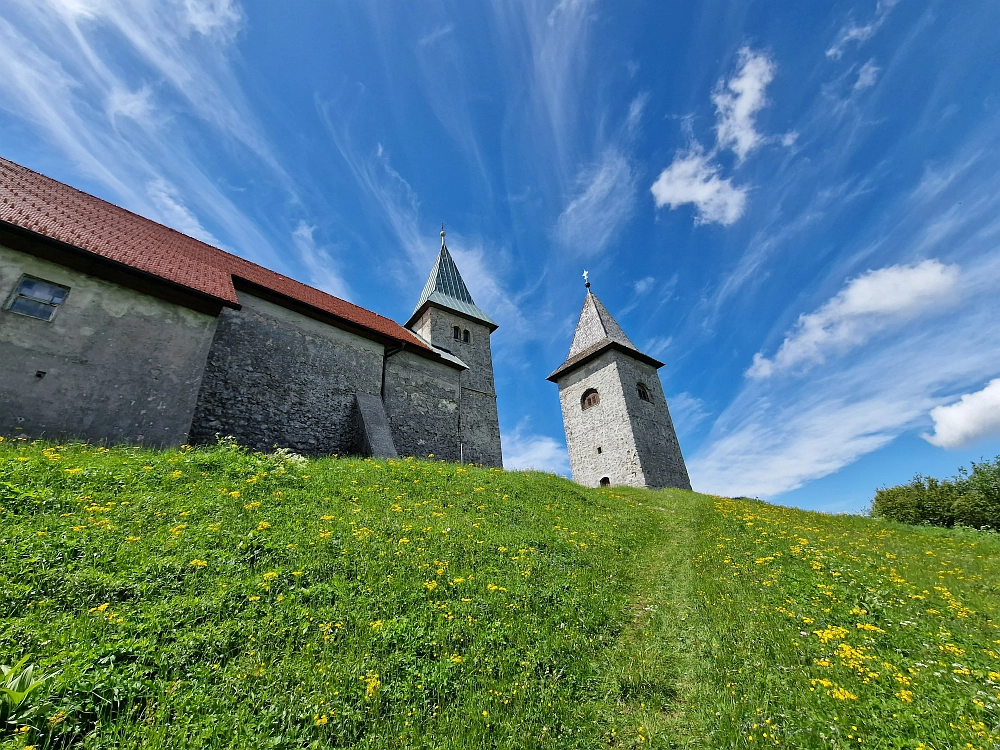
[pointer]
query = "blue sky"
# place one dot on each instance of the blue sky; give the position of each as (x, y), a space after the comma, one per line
(795, 205)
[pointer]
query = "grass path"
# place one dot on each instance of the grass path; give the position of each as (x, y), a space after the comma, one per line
(215, 598)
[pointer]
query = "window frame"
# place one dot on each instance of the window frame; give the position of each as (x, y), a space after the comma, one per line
(467, 337)
(456, 333)
(16, 294)
(585, 399)
(644, 393)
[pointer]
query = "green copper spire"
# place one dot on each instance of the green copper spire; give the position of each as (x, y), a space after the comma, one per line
(445, 288)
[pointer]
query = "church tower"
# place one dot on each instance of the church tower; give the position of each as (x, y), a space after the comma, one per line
(448, 319)
(618, 426)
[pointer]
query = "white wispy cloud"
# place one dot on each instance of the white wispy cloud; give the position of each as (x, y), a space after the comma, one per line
(177, 215)
(439, 32)
(693, 178)
(973, 417)
(687, 412)
(738, 100)
(136, 105)
(604, 201)
(523, 449)
(853, 32)
(655, 346)
(865, 306)
(635, 109)
(644, 285)
(867, 76)
(321, 263)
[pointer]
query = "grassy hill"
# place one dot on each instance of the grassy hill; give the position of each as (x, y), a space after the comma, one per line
(216, 598)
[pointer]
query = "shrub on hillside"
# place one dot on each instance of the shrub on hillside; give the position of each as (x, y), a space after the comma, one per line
(968, 499)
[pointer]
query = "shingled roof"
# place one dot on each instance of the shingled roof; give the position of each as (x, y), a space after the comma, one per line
(446, 288)
(48, 208)
(597, 331)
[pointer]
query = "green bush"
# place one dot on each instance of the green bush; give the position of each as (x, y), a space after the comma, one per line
(968, 499)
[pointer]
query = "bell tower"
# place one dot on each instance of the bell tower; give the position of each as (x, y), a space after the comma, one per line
(449, 320)
(618, 426)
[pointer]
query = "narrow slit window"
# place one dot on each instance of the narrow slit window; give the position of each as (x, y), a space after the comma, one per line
(37, 298)
(456, 333)
(466, 336)
(590, 398)
(644, 392)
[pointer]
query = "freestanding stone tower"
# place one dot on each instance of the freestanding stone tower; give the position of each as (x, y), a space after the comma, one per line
(618, 426)
(448, 319)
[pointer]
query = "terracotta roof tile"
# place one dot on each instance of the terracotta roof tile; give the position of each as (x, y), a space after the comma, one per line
(47, 207)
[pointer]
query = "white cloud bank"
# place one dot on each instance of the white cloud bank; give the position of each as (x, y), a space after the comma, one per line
(866, 305)
(525, 450)
(694, 176)
(973, 417)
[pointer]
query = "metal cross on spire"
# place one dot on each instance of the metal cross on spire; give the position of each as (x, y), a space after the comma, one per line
(586, 278)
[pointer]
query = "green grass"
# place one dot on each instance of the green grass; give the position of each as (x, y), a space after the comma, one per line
(217, 598)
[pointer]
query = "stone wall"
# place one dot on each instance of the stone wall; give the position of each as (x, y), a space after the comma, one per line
(606, 426)
(421, 402)
(652, 428)
(113, 364)
(275, 377)
(480, 423)
(638, 445)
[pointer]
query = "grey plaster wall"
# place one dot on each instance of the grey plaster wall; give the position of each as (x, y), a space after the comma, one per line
(119, 365)
(275, 377)
(480, 427)
(638, 444)
(607, 426)
(421, 402)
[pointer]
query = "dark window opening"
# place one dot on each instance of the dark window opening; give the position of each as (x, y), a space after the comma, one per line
(590, 398)
(456, 333)
(644, 392)
(598, 449)
(36, 298)
(466, 337)
(605, 482)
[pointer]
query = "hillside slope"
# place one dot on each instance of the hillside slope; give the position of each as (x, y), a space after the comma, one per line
(215, 598)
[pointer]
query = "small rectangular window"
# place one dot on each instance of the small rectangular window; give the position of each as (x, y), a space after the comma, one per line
(36, 298)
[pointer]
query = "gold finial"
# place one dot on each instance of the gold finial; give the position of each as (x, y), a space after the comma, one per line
(586, 278)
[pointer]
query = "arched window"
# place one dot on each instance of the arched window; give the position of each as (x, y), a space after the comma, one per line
(466, 336)
(644, 392)
(456, 333)
(590, 398)
(605, 482)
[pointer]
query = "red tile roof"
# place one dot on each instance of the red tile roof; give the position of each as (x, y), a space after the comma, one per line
(47, 207)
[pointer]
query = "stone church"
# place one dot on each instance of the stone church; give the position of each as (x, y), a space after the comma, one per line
(116, 328)
(618, 426)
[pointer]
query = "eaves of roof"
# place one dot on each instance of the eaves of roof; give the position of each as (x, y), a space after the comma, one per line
(594, 351)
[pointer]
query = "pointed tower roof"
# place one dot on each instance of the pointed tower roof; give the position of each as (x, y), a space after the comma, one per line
(596, 332)
(446, 288)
